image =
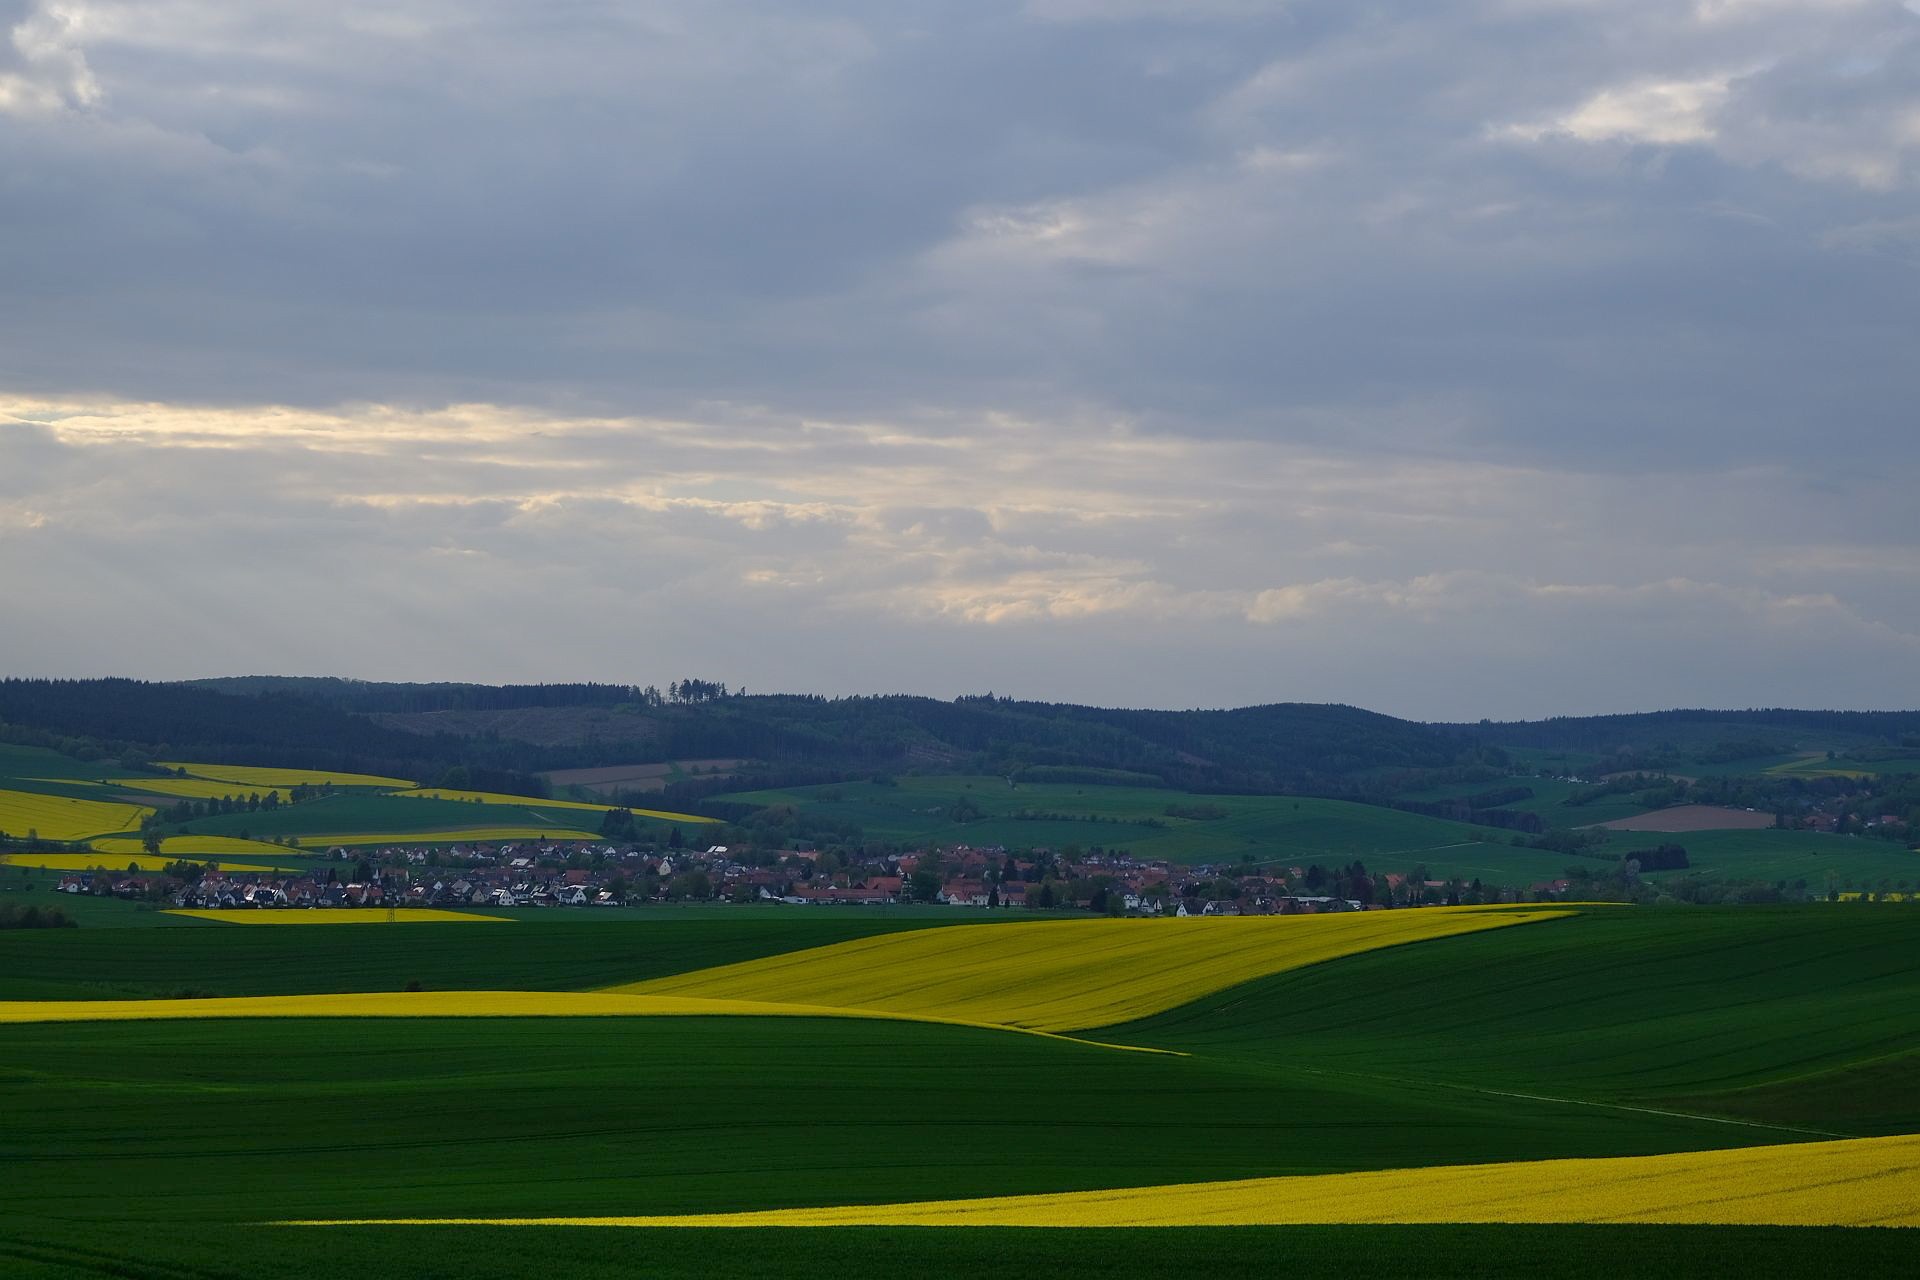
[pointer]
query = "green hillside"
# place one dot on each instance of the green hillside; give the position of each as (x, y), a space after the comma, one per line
(1151, 823)
(1618, 1030)
(1620, 1005)
(805, 1111)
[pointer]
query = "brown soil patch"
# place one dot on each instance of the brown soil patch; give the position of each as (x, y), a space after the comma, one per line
(1693, 817)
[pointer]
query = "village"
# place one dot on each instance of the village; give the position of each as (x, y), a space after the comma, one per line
(602, 875)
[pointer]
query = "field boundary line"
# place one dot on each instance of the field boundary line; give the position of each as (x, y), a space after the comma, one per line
(1584, 1102)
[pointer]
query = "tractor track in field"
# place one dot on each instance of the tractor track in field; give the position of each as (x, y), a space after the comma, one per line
(1580, 1102)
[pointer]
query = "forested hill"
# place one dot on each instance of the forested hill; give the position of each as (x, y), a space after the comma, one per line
(502, 734)
(420, 730)
(1697, 730)
(136, 720)
(368, 696)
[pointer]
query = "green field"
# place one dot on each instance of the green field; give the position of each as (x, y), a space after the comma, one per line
(1780, 856)
(64, 1250)
(544, 951)
(364, 811)
(161, 1148)
(1818, 766)
(38, 762)
(1262, 828)
(1622, 1005)
(881, 1111)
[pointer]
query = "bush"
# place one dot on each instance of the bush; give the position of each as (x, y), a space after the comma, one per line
(14, 916)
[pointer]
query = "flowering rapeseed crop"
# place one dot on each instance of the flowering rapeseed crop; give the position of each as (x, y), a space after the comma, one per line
(197, 847)
(1858, 1182)
(1070, 975)
(64, 818)
(252, 776)
(111, 861)
(443, 1004)
(372, 915)
(495, 797)
(488, 834)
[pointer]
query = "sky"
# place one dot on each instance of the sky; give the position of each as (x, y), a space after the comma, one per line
(1452, 358)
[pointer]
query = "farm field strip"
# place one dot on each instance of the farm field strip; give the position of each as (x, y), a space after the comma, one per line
(1857, 1182)
(536, 802)
(1692, 817)
(141, 861)
(480, 1004)
(461, 835)
(1818, 766)
(1071, 975)
(192, 788)
(395, 915)
(251, 776)
(182, 846)
(65, 818)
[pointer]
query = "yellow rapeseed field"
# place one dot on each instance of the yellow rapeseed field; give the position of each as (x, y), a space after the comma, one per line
(447, 1004)
(64, 818)
(343, 915)
(1858, 1182)
(495, 797)
(490, 835)
(198, 848)
(1069, 975)
(268, 776)
(111, 861)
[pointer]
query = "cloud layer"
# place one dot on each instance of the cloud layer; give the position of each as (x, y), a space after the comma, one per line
(1454, 359)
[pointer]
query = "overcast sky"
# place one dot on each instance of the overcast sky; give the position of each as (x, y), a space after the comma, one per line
(1453, 358)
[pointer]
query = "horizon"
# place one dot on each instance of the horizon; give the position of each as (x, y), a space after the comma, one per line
(748, 691)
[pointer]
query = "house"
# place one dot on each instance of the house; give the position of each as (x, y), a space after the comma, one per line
(964, 893)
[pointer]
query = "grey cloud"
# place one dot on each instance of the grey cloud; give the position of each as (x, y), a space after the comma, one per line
(1233, 571)
(995, 334)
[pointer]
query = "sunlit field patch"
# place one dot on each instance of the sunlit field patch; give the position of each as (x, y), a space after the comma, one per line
(459, 1004)
(252, 776)
(196, 847)
(65, 818)
(139, 861)
(340, 915)
(465, 835)
(1860, 1182)
(495, 797)
(1070, 975)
